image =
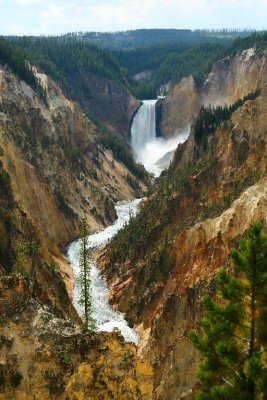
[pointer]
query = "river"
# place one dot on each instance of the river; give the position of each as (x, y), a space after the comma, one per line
(148, 149)
(106, 318)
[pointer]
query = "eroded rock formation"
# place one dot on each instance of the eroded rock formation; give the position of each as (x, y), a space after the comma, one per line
(230, 79)
(198, 211)
(44, 357)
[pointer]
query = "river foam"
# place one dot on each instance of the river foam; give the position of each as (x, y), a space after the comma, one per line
(106, 318)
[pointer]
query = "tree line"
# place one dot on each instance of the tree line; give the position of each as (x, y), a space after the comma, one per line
(209, 118)
(17, 59)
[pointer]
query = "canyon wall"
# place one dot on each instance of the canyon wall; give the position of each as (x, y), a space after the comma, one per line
(159, 267)
(59, 170)
(52, 157)
(44, 357)
(229, 80)
(109, 101)
(53, 170)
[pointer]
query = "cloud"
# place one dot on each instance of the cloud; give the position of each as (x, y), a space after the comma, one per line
(130, 14)
(127, 14)
(55, 17)
(30, 2)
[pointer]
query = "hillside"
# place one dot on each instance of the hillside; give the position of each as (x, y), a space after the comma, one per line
(160, 265)
(88, 75)
(155, 67)
(58, 164)
(132, 39)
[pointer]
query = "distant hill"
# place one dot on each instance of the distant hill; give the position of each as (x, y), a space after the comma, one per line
(185, 53)
(142, 37)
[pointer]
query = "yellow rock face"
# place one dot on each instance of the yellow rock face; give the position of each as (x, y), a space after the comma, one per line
(43, 357)
(230, 79)
(203, 216)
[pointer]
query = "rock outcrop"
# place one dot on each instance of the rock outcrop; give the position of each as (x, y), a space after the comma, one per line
(230, 79)
(44, 357)
(200, 208)
(107, 100)
(59, 170)
(178, 109)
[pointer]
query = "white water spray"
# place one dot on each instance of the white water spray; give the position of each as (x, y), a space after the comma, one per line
(148, 148)
(145, 122)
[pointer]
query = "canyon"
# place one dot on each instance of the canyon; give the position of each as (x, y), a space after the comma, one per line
(54, 169)
(161, 264)
(56, 165)
(230, 79)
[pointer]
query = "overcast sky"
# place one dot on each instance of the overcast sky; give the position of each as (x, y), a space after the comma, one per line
(61, 16)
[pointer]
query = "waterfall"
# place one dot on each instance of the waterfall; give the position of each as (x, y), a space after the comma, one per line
(143, 128)
(154, 152)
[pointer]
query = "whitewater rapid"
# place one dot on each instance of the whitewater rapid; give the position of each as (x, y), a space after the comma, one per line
(106, 318)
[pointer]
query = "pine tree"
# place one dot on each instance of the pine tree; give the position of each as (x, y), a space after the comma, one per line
(234, 328)
(85, 281)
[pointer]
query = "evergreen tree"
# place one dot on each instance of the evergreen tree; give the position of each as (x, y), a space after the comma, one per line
(85, 282)
(234, 337)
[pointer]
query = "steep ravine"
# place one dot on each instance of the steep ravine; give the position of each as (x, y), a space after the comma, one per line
(166, 258)
(53, 169)
(58, 168)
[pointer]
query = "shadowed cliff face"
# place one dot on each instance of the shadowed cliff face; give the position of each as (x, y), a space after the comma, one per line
(178, 109)
(57, 167)
(198, 211)
(46, 357)
(229, 80)
(57, 171)
(109, 101)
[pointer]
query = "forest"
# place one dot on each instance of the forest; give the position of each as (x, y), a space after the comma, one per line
(131, 39)
(166, 56)
(16, 59)
(62, 57)
(210, 118)
(168, 62)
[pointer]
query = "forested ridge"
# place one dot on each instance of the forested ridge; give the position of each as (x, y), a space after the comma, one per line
(62, 57)
(137, 38)
(165, 55)
(169, 63)
(17, 59)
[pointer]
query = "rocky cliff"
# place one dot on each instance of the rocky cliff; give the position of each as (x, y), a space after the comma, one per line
(229, 80)
(177, 110)
(44, 357)
(161, 264)
(54, 168)
(58, 167)
(107, 100)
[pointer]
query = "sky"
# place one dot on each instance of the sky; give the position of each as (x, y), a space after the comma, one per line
(22, 17)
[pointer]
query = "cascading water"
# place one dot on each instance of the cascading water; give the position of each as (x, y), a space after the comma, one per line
(143, 128)
(106, 318)
(148, 148)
